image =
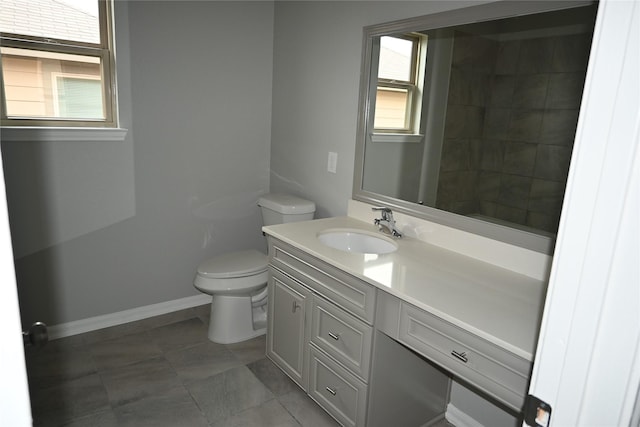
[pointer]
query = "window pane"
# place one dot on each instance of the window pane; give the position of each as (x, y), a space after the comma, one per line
(395, 59)
(52, 85)
(75, 20)
(391, 109)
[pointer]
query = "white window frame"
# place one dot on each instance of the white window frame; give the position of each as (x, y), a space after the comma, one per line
(414, 88)
(104, 51)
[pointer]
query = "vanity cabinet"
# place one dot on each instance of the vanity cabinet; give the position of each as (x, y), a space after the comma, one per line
(286, 335)
(320, 330)
(492, 369)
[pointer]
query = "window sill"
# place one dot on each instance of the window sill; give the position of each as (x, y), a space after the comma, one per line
(19, 134)
(397, 137)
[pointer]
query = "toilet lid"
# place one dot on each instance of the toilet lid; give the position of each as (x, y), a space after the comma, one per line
(234, 264)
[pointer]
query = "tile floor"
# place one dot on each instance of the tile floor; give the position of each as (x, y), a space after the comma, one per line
(163, 371)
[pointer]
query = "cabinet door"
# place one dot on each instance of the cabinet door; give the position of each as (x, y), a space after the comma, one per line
(286, 335)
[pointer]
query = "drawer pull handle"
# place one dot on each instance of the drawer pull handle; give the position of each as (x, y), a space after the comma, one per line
(330, 390)
(334, 336)
(461, 356)
(295, 306)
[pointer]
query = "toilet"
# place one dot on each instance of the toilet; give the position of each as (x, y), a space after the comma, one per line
(237, 281)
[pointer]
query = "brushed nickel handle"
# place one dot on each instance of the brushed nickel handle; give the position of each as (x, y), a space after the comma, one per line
(334, 336)
(330, 390)
(460, 356)
(295, 306)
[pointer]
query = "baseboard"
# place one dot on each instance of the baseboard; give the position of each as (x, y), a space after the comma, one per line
(460, 419)
(93, 323)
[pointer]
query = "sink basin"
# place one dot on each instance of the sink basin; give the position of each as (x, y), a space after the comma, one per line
(357, 241)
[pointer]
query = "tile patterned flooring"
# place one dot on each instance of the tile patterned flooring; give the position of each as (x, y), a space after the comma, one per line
(163, 371)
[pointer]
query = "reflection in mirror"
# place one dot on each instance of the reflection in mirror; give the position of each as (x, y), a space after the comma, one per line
(473, 125)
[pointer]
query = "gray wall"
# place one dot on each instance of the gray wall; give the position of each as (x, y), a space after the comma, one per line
(101, 227)
(317, 58)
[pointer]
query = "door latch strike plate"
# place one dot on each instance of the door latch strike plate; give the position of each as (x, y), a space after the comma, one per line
(536, 412)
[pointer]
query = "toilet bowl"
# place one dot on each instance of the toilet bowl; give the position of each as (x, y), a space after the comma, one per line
(237, 281)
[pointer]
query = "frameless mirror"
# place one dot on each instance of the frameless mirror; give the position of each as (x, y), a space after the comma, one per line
(467, 118)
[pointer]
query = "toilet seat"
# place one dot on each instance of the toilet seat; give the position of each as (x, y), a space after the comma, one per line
(236, 273)
(234, 264)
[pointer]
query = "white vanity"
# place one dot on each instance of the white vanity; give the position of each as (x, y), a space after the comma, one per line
(375, 339)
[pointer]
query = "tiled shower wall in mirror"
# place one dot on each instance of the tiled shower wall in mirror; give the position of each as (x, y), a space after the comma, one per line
(511, 118)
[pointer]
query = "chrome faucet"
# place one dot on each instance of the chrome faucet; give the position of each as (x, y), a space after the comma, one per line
(386, 221)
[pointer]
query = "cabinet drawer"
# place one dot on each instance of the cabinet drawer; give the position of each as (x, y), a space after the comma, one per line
(346, 291)
(342, 336)
(491, 368)
(335, 389)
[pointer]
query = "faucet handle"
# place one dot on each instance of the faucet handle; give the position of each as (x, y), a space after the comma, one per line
(382, 208)
(387, 215)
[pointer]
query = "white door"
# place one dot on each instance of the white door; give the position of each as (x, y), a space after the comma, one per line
(15, 409)
(587, 365)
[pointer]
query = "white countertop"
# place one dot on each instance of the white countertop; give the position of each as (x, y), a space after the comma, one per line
(499, 305)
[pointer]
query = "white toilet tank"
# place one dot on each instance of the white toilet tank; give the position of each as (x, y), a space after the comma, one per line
(283, 208)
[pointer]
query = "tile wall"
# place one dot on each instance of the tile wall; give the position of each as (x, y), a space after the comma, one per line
(511, 119)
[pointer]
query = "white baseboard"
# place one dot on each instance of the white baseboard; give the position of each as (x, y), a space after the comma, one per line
(460, 419)
(93, 323)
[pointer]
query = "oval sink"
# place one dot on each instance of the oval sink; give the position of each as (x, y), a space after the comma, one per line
(357, 241)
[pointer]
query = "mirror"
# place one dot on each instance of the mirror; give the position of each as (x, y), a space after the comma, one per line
(467, 118)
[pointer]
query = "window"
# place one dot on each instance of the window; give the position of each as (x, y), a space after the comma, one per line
(57, 63)
(398, 94)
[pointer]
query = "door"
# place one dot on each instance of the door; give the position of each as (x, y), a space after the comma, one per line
(587, 364)
(15, 409)
(286, 336)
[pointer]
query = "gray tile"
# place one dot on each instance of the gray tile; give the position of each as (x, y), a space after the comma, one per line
(546, 196)
(173, 407)
(272, 377)
(100, 419)
(467, 87)
(530, 91)
(456, 186)
(502, 88)
(514, 191)
(168, 318)
(464, 121)
(565, 90)
(489, 186)
(68, 401)
(456, 155)
(250, 350)
(496, 123)
(203, 312)
(552, 162)
(544, 221)
(271, 414)
(229, 393)
(524, 125)
(519, 158)
(134, 382)
(571, 53)
(507, 57)
(305, 410)
(536, 56)
(492, 155)
(51, 365)
(511, 214)
(112, 332)
(202, 361)
(123, 351)
(559, 127)
(182, 334)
